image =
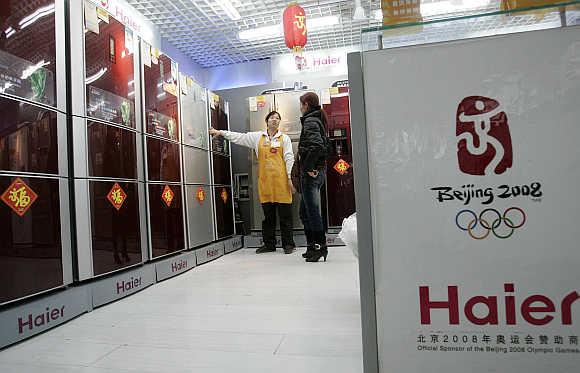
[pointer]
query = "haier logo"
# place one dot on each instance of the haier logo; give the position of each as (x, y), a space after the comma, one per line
(484, 145)
(536, 309)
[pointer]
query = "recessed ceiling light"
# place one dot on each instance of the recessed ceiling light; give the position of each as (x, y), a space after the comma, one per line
(229, 9)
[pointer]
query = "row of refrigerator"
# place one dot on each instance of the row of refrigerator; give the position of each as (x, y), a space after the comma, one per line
(338, 200)
(105, 158)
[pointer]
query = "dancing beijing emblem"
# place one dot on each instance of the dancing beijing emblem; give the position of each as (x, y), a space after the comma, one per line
(484, 145)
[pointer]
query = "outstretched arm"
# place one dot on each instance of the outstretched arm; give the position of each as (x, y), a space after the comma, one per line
(249, 139)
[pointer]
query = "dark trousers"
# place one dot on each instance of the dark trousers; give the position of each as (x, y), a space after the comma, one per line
(310, 203)
(269, 223)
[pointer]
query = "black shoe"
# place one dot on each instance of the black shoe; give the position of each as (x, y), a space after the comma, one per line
(309, 251)
(320, 251)
(265, 249)
(289, 249)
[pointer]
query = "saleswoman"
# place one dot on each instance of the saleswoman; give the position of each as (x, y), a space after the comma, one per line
(275, 160)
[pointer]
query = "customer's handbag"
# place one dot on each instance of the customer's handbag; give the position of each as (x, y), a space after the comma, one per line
(295, 176)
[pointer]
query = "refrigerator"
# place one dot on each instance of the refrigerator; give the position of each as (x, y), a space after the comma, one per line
(340, 202)
(196, 163)
(163, 170)
(222, 192)
(35, 247)
(107, 146)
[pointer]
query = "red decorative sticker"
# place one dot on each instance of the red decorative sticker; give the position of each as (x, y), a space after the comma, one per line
(117, 196)
(167, 195)
(341, 166)
(224, 195)
(19, 197)
(200, 195)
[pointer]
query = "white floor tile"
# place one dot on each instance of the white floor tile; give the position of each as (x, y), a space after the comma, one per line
(46, 368)
(241, 313)
(322, 345)
(57, 351)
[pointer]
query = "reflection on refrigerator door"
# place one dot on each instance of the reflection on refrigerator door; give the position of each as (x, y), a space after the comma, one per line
(224, 209)
(199, 215)
(31, 248)
(166, 219)
(115, 233)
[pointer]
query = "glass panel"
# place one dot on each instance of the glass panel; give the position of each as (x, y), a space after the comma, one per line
(163, 160)
(196, 165)
(112, 151)
(194, 114)
(221, 170)
(224, 212)
(161, 97)
(30, 245)
(116, 232)
(166, 220)
(199, 214)
(219, 120)
(110, 73)
(28, 138)
(455, 22)
(28, 50)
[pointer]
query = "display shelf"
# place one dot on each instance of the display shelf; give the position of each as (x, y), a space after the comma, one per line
(487, 20)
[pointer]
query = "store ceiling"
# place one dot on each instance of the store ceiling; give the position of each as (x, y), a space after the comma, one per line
(202, 29)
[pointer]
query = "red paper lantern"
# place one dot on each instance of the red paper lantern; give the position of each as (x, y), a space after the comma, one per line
(295, 32)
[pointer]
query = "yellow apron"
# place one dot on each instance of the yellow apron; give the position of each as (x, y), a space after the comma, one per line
(272, 177)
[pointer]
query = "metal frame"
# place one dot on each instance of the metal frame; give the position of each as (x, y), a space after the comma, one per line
(227, 110)
(61, 66)
(210, 153)
(364, 215)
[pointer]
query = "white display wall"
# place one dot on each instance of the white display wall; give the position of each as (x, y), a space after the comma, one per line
(473, 156)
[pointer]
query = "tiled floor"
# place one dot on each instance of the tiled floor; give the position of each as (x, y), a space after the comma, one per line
(242, 313)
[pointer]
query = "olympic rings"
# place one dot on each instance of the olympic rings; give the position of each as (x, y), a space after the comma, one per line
(500, 218)
(521, 212)
(474, 223)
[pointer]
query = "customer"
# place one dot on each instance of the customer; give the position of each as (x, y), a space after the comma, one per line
(312, 152)
(275, 160)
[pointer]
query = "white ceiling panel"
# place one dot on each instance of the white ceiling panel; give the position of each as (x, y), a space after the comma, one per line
(205, 33)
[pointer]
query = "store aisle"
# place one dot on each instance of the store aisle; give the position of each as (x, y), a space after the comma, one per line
(241, 313)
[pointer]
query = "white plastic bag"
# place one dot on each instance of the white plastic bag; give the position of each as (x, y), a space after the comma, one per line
(348, 233)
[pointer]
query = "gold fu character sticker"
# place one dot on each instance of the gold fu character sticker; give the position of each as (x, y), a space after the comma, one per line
(341, 166)
(19, 197)
(167, 195)
(117, 196)
(224, 195)
(200, 195)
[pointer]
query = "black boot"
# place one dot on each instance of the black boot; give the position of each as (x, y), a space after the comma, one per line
(320, 249)
(266, 249)
(309, 244)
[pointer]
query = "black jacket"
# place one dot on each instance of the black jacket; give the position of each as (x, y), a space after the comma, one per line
(312, 145)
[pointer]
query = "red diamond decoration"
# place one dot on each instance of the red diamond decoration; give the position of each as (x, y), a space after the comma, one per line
(224, 195)
(341, 166)
(19, 197)
(167, 195)
(200, 195)
(117, 196)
